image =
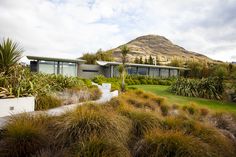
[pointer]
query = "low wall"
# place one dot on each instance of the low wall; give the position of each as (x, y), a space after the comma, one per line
(16, 106)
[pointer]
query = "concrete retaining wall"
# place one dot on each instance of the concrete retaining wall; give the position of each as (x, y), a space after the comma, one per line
(16, 105)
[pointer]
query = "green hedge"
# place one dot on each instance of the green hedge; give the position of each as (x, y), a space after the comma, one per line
(133, 80)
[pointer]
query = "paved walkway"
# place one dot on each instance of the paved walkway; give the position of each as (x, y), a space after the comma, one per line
(106, 96)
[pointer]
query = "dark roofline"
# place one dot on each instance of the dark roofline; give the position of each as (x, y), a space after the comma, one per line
(55, 59)
(104, 63)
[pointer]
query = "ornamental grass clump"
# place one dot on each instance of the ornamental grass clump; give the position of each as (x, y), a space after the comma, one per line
(90, 120)
(101, 147)
(44, 102)
(157, 143)
(141, 121)
(217, 141)
(23, 136)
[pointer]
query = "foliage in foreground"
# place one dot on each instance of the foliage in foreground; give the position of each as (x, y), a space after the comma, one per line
(131, 125)
(20, 82)
(10, 54)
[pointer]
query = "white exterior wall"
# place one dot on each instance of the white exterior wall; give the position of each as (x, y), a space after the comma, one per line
(16, 105)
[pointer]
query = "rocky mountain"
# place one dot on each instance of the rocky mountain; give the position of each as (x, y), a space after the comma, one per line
(158, 47)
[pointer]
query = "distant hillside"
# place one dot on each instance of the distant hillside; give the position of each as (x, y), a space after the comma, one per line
(160, 47)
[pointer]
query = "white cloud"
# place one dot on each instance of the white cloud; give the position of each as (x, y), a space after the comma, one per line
(71, 27)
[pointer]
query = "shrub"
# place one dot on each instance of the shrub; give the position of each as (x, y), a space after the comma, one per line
(23, 137)
(52, 152)
(95, 93)
(141, 121)
(224, 121)
(44, 102)
(86, 121)
(96, 147)
(191, 109)
(207, 134)
(210, 88)
(170, 144)
(164, 109)
(204, 112)
(159, 100)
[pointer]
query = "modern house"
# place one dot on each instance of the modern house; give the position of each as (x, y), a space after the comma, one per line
(77, 67)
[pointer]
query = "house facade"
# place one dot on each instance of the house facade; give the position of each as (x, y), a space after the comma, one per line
(77, 67)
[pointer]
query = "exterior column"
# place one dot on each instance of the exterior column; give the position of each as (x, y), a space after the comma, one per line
(58, 67)
(112, 71)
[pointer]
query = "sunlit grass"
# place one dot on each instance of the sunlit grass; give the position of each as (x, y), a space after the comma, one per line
(181, 100)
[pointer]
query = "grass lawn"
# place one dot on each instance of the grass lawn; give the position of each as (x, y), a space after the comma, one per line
(182, 100)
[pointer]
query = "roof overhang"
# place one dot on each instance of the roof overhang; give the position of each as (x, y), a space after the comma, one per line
(38, 58)
(104, 63)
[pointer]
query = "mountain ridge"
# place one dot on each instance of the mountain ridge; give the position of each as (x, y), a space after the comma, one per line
(161, 48)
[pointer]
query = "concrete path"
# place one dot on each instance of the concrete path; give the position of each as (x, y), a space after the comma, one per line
(106, 96)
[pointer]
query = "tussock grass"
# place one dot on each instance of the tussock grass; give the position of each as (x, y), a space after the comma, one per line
(87, 121)
(23, 136)
(141, 121)
(101, 147)
(44, 102)
(207, 134)
(157, 143)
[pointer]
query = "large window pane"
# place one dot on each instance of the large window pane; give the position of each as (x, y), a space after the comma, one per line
(68, 69)
(173, 72)
(142, 71)
(47, 67)
(132, 70)
(154, 72)
(164, 73)
(116, 71)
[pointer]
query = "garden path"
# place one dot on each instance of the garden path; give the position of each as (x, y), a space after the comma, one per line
(107, 95)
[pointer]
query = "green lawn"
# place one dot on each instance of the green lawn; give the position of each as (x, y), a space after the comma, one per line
(181, 100)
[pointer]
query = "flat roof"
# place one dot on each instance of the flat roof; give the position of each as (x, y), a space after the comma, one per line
(55, 59)
(104, 63)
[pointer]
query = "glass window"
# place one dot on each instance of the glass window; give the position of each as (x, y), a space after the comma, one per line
(68, 69)
(154, 72)
(173, 72)
(164, 73)
(116, 71)
(47, 67)
(132, 70)
(142, 71)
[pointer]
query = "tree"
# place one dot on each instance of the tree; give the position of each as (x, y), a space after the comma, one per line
(220, 71)
(136, 60)
(141, 60)
(104, 55)
(10, 54)
(150, 60)
(176, 63)
(90, 58)
(157, 61)
(230, 68)
(124, 51)
(146, 61)
(195, 69)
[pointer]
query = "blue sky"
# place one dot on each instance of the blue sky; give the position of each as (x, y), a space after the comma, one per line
(69, 28)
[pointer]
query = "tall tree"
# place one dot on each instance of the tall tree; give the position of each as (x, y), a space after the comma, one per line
(150, 60)
(10, 54)
(157, 61)
(136, 60)
(90, 58)
(124, 51)
(146, 61)
(141, 60)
